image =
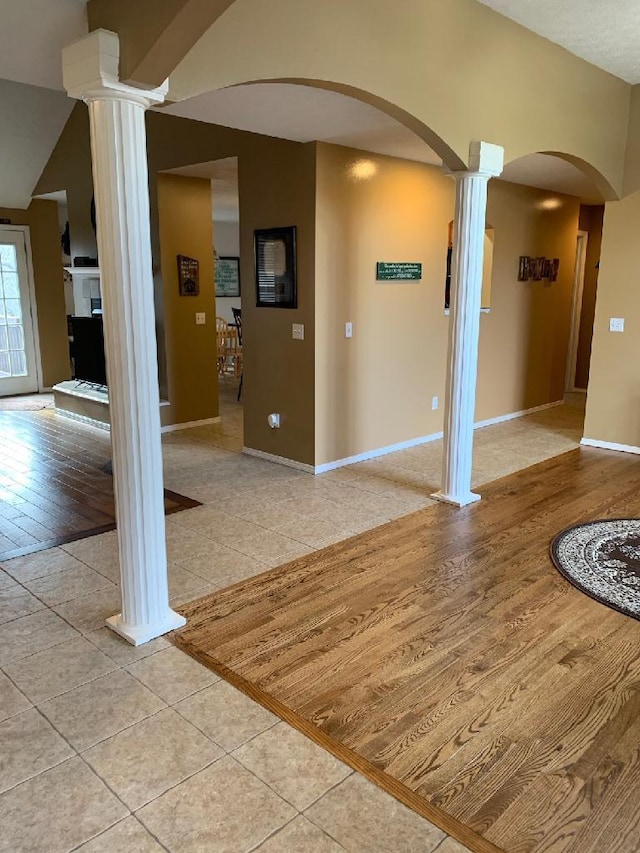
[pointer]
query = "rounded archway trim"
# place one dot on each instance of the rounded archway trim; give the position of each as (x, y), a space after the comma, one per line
(450, 158)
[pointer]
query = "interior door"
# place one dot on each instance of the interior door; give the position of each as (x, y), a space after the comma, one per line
(17, 343)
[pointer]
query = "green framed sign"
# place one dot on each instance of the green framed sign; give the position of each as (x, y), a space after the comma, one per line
(398, 271)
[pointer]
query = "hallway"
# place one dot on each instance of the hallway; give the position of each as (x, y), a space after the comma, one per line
(84, 711)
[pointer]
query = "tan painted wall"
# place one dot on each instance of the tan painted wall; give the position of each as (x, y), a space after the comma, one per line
(277, 187)
(184, 218)
(42, 219)
(613, 402)
(375, 389)
(591, 217)
(632, 163)
(455, 67)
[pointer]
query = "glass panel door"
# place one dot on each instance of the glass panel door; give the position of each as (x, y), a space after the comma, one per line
(17, 348)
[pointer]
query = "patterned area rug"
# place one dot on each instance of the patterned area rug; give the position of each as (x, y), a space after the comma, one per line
(602, 559)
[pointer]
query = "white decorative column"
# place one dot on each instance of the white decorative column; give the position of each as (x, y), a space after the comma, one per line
(118, 148)
(485, 162)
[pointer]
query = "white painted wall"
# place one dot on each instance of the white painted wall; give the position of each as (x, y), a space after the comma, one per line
(226, 239)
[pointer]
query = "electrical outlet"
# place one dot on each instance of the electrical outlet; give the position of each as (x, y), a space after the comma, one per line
(434, 403)
(200, 318)
(616, 324)
(348, 330)
(297, 331)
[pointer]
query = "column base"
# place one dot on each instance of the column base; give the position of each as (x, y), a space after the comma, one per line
(456, 500)
(139, 635)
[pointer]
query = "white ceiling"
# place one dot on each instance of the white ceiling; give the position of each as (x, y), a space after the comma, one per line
(304, 114)
(32, 35)
(223, 175)
(604, 32)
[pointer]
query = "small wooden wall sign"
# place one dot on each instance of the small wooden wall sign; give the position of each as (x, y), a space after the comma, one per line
(188, 276)
(538, 268)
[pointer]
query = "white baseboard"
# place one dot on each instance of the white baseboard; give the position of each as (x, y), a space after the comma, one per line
(611, 445)
(513, 415)
(380, 451)
(190, 424)
(280, 460)
(425, 439)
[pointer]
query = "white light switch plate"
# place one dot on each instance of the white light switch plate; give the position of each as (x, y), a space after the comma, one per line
(200, 318)
(616, 324)
(297, 331)
(348, 330)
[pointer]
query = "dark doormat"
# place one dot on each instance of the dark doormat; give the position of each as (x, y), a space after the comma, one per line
(602, 559)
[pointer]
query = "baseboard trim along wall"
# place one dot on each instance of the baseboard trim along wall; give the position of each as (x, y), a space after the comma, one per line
(281, 460)
(190, 424)
(391, 448)
(611, 445)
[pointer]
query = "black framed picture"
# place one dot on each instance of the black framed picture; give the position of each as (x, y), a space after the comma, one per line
(275, 259)
(227, 276)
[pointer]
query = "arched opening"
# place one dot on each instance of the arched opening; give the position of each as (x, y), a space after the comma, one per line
(557, 275)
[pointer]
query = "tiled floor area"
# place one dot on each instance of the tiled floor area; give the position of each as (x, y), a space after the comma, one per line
(104, 747)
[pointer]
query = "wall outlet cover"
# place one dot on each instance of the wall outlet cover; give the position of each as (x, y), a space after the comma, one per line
(616, 324)
(297, 331)
(434, 403)
(200, 318)
(348, 330)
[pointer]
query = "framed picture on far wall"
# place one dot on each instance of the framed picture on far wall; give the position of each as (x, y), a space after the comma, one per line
(227, 274)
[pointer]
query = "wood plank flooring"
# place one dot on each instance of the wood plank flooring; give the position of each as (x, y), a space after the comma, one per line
(52, 486)
(444, 657)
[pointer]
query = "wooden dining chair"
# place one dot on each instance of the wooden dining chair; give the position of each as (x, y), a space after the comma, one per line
(237, 316)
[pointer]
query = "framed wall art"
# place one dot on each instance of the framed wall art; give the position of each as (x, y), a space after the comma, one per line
(188, 276)
(275, 260)
(227, 273)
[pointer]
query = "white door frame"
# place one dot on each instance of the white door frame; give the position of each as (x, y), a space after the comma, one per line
(33, 309)
(576, 311)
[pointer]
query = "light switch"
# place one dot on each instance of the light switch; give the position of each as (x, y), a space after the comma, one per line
(616, 324)
(297, 331)
(200, 318)
(348, 330)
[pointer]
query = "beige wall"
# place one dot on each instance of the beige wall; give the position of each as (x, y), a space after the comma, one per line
(591, 217)
(613, 401)
(278, 189)
(454, 71)
(184, 220)
(42, 219)
(375, 389)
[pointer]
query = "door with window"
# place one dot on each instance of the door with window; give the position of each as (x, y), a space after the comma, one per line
(17, 343)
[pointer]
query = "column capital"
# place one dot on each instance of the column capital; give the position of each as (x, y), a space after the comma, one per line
(485, 161)
(90, 72)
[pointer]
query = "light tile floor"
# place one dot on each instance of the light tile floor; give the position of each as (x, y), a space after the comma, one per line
(105, 747)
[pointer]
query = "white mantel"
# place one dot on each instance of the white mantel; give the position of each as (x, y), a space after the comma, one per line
(86, 286)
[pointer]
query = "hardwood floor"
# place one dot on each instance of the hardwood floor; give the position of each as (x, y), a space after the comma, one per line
(444, 657)
(52, 486)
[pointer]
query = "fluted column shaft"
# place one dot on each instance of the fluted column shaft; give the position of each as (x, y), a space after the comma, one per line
(464, 332)
(118, 148)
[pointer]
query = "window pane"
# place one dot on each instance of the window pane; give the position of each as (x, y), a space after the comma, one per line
(3, 313)
(4, 339)
(5, 365)
(18, 364)
(16, 337)
(8, 257)
(14, 311)
(11, 285)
